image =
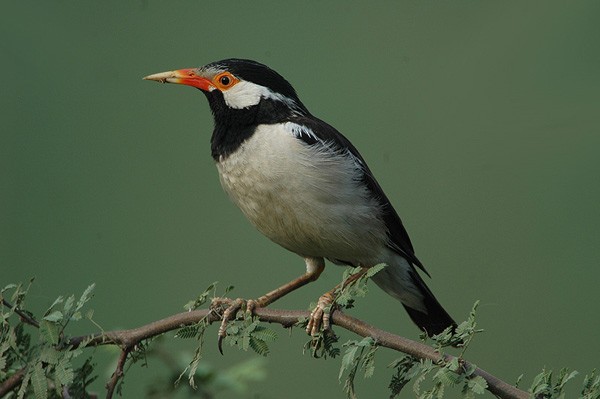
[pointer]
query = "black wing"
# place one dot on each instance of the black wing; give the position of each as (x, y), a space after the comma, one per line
(321, 131)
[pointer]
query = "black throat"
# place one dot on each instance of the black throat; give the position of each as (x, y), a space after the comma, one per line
(234, 126)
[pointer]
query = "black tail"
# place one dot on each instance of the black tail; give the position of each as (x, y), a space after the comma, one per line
(436, 319)
(404, 283)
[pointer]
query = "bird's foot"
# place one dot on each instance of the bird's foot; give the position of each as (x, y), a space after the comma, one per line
(319, 317)
(231, 308)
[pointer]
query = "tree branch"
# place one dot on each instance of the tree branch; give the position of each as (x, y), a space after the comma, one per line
(127, 339)
(12, 382)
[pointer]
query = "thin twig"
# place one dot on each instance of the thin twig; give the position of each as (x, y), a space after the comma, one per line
(288, 318)
(24, 316)
(118, 374)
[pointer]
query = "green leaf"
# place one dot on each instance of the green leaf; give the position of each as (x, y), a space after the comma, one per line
(86, 296)
(357, 355)
(347, 360)
(322, 345)
(407, 368)
(2, 367)
(55, 316)
(375, 269)
(233, 329)
(591, 386)
(201, 299)
(39, 382)
(15, 335)
(24, 385)
(346, 295)
(259, 346)
(369, 362)
(193, 366)
(543, 385)
(84, 376)
(49, 332)
(425, 367)
(69, 304)
(565, 377)
(7, 287)
(366, 342)
(63, 372)
(519, 378)
(447, 377)
(453, 364)
(478, 385)
(56, 302)
(228, 289)
(264, 334)
(49, 355)
(76, 316)
(245, 342)
(187, 332)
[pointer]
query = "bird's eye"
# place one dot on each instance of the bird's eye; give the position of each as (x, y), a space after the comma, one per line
(224, 80)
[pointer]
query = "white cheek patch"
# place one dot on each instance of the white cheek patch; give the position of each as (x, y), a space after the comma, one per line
(245, 94)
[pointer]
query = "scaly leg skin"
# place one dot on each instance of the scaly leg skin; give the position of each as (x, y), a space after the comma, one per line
(314, 268)
(321, 314)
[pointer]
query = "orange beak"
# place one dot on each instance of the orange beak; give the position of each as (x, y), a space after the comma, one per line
(187, 77)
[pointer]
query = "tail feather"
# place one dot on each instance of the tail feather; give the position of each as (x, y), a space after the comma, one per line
(436, 319)
(405, 284)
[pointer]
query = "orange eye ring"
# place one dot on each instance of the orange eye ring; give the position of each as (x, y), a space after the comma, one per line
(225, 80)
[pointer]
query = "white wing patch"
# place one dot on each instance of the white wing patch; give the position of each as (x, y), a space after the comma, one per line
(298, 131)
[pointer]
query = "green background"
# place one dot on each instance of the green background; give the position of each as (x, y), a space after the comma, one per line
(479, 119)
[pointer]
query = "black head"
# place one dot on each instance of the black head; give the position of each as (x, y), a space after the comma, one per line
(242, 94)
(238, 84)
(257, 73)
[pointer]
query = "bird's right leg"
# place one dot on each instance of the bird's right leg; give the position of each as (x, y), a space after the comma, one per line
(314, 268)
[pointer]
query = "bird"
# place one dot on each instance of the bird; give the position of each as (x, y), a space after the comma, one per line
(306, 187)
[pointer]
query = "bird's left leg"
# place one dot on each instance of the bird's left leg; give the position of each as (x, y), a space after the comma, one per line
(314, 268)
(322, 312)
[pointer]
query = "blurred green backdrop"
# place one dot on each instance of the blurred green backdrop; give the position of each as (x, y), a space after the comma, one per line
(479, 119)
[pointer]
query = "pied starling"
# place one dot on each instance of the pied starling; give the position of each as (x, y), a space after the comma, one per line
(302, 184)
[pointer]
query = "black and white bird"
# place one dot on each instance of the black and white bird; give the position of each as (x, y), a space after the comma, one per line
(302, 184)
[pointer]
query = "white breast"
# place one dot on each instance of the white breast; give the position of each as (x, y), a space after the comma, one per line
(307, 198)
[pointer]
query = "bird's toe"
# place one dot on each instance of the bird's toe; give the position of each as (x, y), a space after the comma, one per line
(319, 317)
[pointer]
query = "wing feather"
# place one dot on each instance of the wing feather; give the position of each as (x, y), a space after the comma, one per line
(314, 131)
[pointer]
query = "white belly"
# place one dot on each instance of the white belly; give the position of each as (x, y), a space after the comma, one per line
(307, 199)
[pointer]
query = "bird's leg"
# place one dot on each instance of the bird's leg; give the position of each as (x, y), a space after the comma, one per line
(322, 312)
(314, 268)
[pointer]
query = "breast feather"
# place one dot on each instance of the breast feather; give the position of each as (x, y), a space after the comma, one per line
(309, 199)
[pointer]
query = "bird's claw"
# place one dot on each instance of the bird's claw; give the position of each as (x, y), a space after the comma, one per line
(230, 312)
(319, 317)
